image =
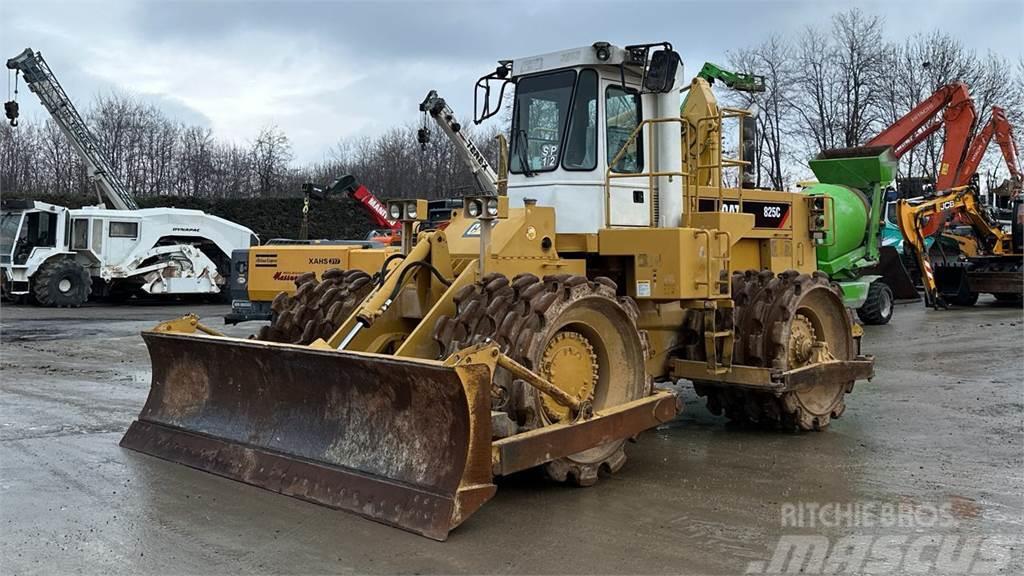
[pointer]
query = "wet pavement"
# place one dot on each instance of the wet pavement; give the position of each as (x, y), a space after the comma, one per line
(938, 433)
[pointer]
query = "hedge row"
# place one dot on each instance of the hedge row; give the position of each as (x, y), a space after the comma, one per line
(269, 217)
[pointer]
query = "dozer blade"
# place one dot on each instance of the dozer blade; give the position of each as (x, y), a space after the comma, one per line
(404, 442)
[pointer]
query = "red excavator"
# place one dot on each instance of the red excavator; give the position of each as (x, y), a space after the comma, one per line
(998, 127)
(950, 107)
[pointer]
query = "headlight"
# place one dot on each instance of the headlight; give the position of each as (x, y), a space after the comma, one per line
(410, 211)
(473, 208)
(492, 207)
(396, 211)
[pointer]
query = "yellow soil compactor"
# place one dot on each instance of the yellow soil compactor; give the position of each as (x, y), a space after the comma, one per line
(531, 331)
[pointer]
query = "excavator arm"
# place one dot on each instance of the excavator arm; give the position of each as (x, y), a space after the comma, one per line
(949, 106)
(999, 128)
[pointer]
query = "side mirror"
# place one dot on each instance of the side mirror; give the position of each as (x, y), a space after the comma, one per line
(661, 72)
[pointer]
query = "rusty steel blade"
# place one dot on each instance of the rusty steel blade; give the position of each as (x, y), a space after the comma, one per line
(403, 442)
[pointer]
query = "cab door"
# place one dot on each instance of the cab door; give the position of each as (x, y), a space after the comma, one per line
(629, 202)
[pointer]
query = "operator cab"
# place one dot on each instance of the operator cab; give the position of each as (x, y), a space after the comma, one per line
(573, 115)
(25, 226)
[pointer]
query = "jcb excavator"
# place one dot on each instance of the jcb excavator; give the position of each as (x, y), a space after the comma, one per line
(531, 331)
(995, 264)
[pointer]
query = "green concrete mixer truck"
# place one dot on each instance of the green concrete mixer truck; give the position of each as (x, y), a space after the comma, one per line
(872, 276)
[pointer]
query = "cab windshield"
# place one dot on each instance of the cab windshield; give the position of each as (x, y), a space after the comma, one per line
(538, 122)
(9, 223)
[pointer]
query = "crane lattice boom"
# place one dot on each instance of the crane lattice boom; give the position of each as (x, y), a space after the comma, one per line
(41, 80)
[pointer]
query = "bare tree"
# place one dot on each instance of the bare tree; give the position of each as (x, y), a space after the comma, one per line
(271, 155)
(816, 103)
(774, 60)
(860, 59)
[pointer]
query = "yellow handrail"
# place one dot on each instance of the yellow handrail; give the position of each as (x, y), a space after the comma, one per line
(651, 175)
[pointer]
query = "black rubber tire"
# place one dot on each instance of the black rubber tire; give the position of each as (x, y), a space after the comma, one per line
(61, 283)
(877, 309)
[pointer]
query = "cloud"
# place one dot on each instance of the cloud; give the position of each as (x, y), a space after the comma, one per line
(326, 70)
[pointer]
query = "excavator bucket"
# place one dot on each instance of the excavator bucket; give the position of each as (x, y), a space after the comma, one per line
(401, 441)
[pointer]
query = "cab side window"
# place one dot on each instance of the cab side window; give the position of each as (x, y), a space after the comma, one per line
(623, 114)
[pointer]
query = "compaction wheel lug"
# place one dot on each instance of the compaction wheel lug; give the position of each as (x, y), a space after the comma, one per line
(529, 312)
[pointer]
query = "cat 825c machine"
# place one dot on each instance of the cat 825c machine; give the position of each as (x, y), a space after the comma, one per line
(531, 331)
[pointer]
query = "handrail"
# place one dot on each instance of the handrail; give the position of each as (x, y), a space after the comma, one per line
(651, 175)
(719, 163)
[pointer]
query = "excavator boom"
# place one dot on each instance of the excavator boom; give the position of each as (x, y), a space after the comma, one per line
(998, 127)
(953, 102)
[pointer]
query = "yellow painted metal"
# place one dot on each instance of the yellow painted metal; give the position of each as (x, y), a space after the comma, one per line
(570, 373)
(273, 269)
(187, 324)
(913, 218)
(678, 263)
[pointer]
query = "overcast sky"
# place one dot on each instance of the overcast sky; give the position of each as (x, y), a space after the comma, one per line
(330, 69)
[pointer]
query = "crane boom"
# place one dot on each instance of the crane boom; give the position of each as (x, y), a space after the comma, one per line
(953, 102)
(360, 193)
(436, 107)
(999, 128)
(41, 80)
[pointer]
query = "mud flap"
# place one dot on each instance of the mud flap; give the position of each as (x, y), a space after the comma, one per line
(890, 267)
(401, 441)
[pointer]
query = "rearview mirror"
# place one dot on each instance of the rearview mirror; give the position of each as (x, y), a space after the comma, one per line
(661, 72)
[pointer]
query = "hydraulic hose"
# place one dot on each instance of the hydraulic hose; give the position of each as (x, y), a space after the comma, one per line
(412, 265)
(384, 267)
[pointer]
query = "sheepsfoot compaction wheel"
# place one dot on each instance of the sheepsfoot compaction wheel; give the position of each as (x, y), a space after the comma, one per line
(786, 322)
(575, 333)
